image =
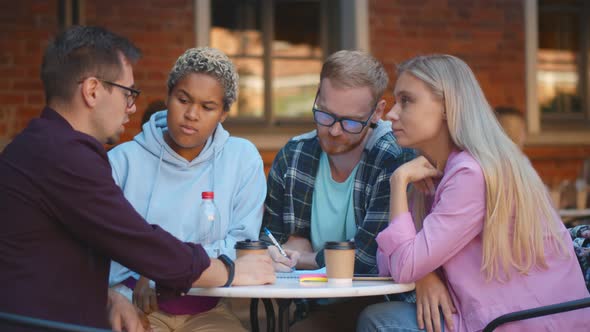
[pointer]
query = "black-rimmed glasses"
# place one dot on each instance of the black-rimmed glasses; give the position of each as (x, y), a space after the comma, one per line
(350, 126)
(133, 93)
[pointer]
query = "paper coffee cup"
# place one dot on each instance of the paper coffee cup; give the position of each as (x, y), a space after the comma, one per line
(248, 247)
(339, 258)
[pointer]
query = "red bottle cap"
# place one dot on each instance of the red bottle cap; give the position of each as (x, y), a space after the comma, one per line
(207, 195)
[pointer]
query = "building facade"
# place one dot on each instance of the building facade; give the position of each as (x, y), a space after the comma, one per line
(531, 55)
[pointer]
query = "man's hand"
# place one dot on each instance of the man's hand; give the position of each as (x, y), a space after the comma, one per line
(431, 294)
(282, 263)
(306, 260)
(144, 297)
(253, 270)
(124, 316)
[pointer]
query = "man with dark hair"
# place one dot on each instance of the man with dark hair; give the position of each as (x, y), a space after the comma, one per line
(63, 218)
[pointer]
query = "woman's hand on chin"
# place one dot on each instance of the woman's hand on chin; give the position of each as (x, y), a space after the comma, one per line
(419, 172)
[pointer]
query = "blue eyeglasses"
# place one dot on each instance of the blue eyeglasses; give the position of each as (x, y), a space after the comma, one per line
(350, 126)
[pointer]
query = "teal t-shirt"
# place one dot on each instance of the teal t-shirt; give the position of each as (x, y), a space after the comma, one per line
(332, 211)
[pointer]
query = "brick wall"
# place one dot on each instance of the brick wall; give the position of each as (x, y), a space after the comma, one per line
(162, 29)
(488, 35)
(25, 28)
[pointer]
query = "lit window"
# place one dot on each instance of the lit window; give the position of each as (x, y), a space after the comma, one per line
(562, 60)
(278, 49)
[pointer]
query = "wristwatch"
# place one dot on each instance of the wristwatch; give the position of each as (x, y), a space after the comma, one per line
(229, 264)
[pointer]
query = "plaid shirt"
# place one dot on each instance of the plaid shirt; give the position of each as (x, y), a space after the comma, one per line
(291, 185)
(580, 244)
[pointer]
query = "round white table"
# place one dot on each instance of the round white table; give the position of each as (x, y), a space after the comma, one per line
(286, 289)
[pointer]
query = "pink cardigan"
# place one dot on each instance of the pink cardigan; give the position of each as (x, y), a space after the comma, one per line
(452, 240)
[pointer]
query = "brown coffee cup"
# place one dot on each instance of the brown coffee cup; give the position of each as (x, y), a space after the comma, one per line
(248, 247)
(339, 258)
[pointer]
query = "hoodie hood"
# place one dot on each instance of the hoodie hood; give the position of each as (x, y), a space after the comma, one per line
(151, 138)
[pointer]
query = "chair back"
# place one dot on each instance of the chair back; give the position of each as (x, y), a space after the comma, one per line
(537, 312)
(37, 324)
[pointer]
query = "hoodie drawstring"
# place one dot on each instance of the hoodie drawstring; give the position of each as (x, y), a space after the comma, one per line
(155, 185)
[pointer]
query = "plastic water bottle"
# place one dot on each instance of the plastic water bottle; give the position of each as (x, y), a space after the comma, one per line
(209, 221)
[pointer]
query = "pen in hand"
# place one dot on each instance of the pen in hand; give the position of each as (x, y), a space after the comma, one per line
(275, 242)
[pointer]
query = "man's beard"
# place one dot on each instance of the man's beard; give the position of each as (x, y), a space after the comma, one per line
(337, 149)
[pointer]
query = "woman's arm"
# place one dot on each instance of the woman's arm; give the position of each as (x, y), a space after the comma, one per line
(457, 218)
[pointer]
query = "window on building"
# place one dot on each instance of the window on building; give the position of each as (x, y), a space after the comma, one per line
(563, 89)
(69, 12)
(278, 47)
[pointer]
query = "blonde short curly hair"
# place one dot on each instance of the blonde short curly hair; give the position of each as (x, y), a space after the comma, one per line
(210, 61)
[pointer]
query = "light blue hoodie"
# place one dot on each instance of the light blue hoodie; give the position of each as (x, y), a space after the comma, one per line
(166, 188)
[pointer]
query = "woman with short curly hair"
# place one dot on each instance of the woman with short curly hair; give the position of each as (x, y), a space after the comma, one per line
(180, 153)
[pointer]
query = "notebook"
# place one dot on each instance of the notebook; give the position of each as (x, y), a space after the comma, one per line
(295, 274)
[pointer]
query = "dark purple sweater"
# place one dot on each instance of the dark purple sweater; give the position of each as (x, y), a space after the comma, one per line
(63, 218)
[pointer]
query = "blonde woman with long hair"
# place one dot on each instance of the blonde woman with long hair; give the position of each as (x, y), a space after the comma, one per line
(479, 215)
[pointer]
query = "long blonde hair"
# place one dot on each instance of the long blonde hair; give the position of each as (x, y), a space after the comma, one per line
(513, 187)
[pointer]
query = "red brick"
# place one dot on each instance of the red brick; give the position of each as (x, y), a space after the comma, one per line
(28, 85)
(6, 84)
(42, 7)
(6, 59)
(34, 47)
(34, 71)
(27, 60)
(36, 99)
(28, 112)
(12, 99)
(158, 76)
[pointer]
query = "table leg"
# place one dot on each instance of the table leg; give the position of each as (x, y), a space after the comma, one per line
(284, 305)
(270, 315)
(254, 315)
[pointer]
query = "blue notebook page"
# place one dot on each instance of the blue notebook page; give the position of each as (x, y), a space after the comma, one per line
(295, 274)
